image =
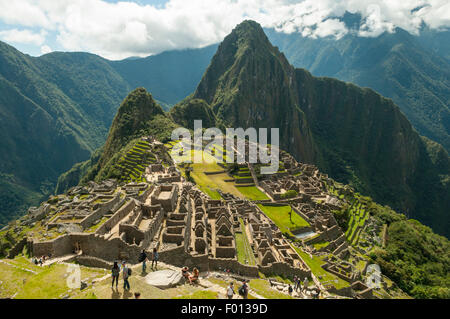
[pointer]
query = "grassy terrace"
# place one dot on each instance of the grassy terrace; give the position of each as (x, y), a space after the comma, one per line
(210, 183)
(252, 192)
(244, 250)
(324, 276)
(133, 163)
(280, 216)
(358, 217)
(321, 245)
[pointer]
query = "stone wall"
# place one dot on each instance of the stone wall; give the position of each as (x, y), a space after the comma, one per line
(117, 217)
(285, 269)
(234, 266)
(17, 249)
(146, 193)
(99, 212)
(132, 234)
(90, 261)
(91, 245)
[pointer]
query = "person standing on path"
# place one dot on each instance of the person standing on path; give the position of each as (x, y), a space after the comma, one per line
(143, 259)
(305, 283)
(155, 258)
(126, 274)
(230, 291)
(245, 289)
(115, 274)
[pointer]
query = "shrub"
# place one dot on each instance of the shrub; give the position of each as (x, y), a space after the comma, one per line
(289, 194)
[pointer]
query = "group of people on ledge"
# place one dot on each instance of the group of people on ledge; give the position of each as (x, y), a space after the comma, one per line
(191, 278)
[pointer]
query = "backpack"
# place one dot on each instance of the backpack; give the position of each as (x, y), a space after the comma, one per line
(129, 271)
(241, 290)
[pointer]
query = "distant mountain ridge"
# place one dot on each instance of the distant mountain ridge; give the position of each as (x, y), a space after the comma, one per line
(56, 110)
(412, 70)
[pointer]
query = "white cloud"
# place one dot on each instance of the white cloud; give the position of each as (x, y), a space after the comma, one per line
(23, 36)
(46, 49)
(122, 29)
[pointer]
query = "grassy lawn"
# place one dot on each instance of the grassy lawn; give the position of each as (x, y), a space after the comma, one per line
(93, 228)
(45, 283)
(321, 245)
(280, 216)
(252, 193)
(12, 280)
(202, 294)
(225, 284)
(210, 183)
(244, 250)
(240, 248)
(262, 287)
(324, 276)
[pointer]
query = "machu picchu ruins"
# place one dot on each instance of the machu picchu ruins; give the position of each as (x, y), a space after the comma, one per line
(240, 229)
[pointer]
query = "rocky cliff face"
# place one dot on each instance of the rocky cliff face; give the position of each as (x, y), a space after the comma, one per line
(186, 112)
(249, 83)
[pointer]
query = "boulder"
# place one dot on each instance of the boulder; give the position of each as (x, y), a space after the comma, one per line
(164, 278)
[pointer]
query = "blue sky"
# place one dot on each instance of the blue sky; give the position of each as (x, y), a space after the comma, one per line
(116, 30)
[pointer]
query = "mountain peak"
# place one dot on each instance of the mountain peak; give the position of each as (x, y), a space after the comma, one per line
(248, 28)
(136, 110)
(245, 53)
(248, 34)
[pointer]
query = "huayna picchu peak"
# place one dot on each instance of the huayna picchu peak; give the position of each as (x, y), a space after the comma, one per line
(357, 208)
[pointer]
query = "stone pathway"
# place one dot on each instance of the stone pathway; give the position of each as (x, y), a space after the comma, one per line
(61, 259)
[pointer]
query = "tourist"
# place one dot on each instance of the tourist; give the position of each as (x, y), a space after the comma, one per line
(185, 273)
(194, 277)
(137, 295)
(305, 283)
(126, 274)
(290, 290)
(298, 284)
(115, 274)
(315, 294)
(143, 259)
(155, 258)
(246, 288)
(40, 261)
(230, 291)
(243, 291)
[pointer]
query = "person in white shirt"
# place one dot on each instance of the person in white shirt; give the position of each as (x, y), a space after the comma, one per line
(230, 291)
